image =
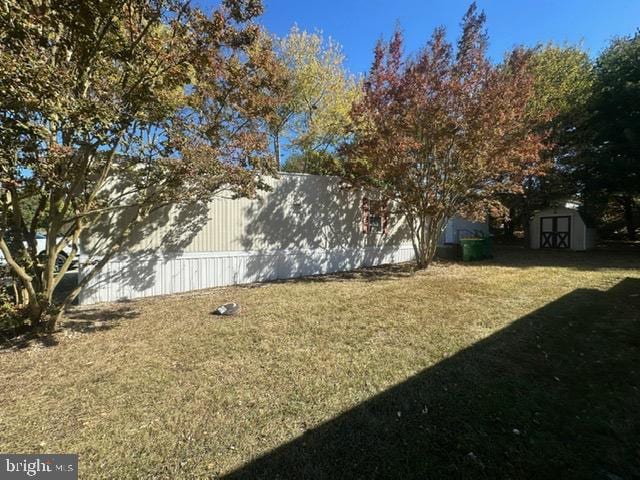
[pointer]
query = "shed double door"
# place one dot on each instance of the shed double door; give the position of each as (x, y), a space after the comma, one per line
(555, 232)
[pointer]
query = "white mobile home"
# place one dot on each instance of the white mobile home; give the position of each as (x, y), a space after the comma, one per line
(305, 225)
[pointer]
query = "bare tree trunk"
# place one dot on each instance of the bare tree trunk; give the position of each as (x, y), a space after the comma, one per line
(57, 311)
(526, 227)
(276, 148)
(34, 305)
(413, 232)
(510, 224)
(426, 240)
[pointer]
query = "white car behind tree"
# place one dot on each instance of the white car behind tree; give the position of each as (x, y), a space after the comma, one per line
(41, 246)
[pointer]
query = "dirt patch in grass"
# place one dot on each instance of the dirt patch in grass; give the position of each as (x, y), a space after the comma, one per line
(522, 367)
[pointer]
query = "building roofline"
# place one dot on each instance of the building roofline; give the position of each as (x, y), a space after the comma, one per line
(299, 174)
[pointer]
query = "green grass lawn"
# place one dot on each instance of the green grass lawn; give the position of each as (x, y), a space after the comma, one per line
(527, 366)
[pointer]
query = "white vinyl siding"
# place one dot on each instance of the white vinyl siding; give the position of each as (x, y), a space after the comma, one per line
(305, 225)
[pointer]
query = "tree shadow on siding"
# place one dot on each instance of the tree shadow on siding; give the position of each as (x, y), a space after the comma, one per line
(554, 395)
(174, 228)
(305, 227)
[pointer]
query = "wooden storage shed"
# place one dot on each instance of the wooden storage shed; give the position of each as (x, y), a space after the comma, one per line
(562, 228)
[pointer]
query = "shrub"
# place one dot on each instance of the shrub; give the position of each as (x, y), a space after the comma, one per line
(11, 316)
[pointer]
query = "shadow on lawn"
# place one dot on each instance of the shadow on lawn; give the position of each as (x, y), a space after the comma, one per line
(554, 395)
(20, 338)
(94, 319)
(591, 260)
(87, 320)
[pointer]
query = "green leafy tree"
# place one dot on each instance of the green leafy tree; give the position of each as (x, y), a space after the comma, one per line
(315, 162)
(314, 116)
(563, 79)
(152, 93)
(279, 90)
(604, 149)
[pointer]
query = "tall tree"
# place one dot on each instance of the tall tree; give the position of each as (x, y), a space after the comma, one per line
(281, 91)
(151, 93)
(605, 146)
(443, 132)
(563, 78)
(314, 116)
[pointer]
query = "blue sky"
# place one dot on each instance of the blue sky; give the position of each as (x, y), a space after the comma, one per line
(357, 24)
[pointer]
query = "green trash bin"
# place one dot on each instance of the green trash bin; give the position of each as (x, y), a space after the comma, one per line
(473, 249)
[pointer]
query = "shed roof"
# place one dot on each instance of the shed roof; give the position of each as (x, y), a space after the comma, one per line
(588, 220)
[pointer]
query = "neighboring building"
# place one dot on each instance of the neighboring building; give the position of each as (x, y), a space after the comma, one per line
(562, 227)
(306, 225)
(458, 228)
